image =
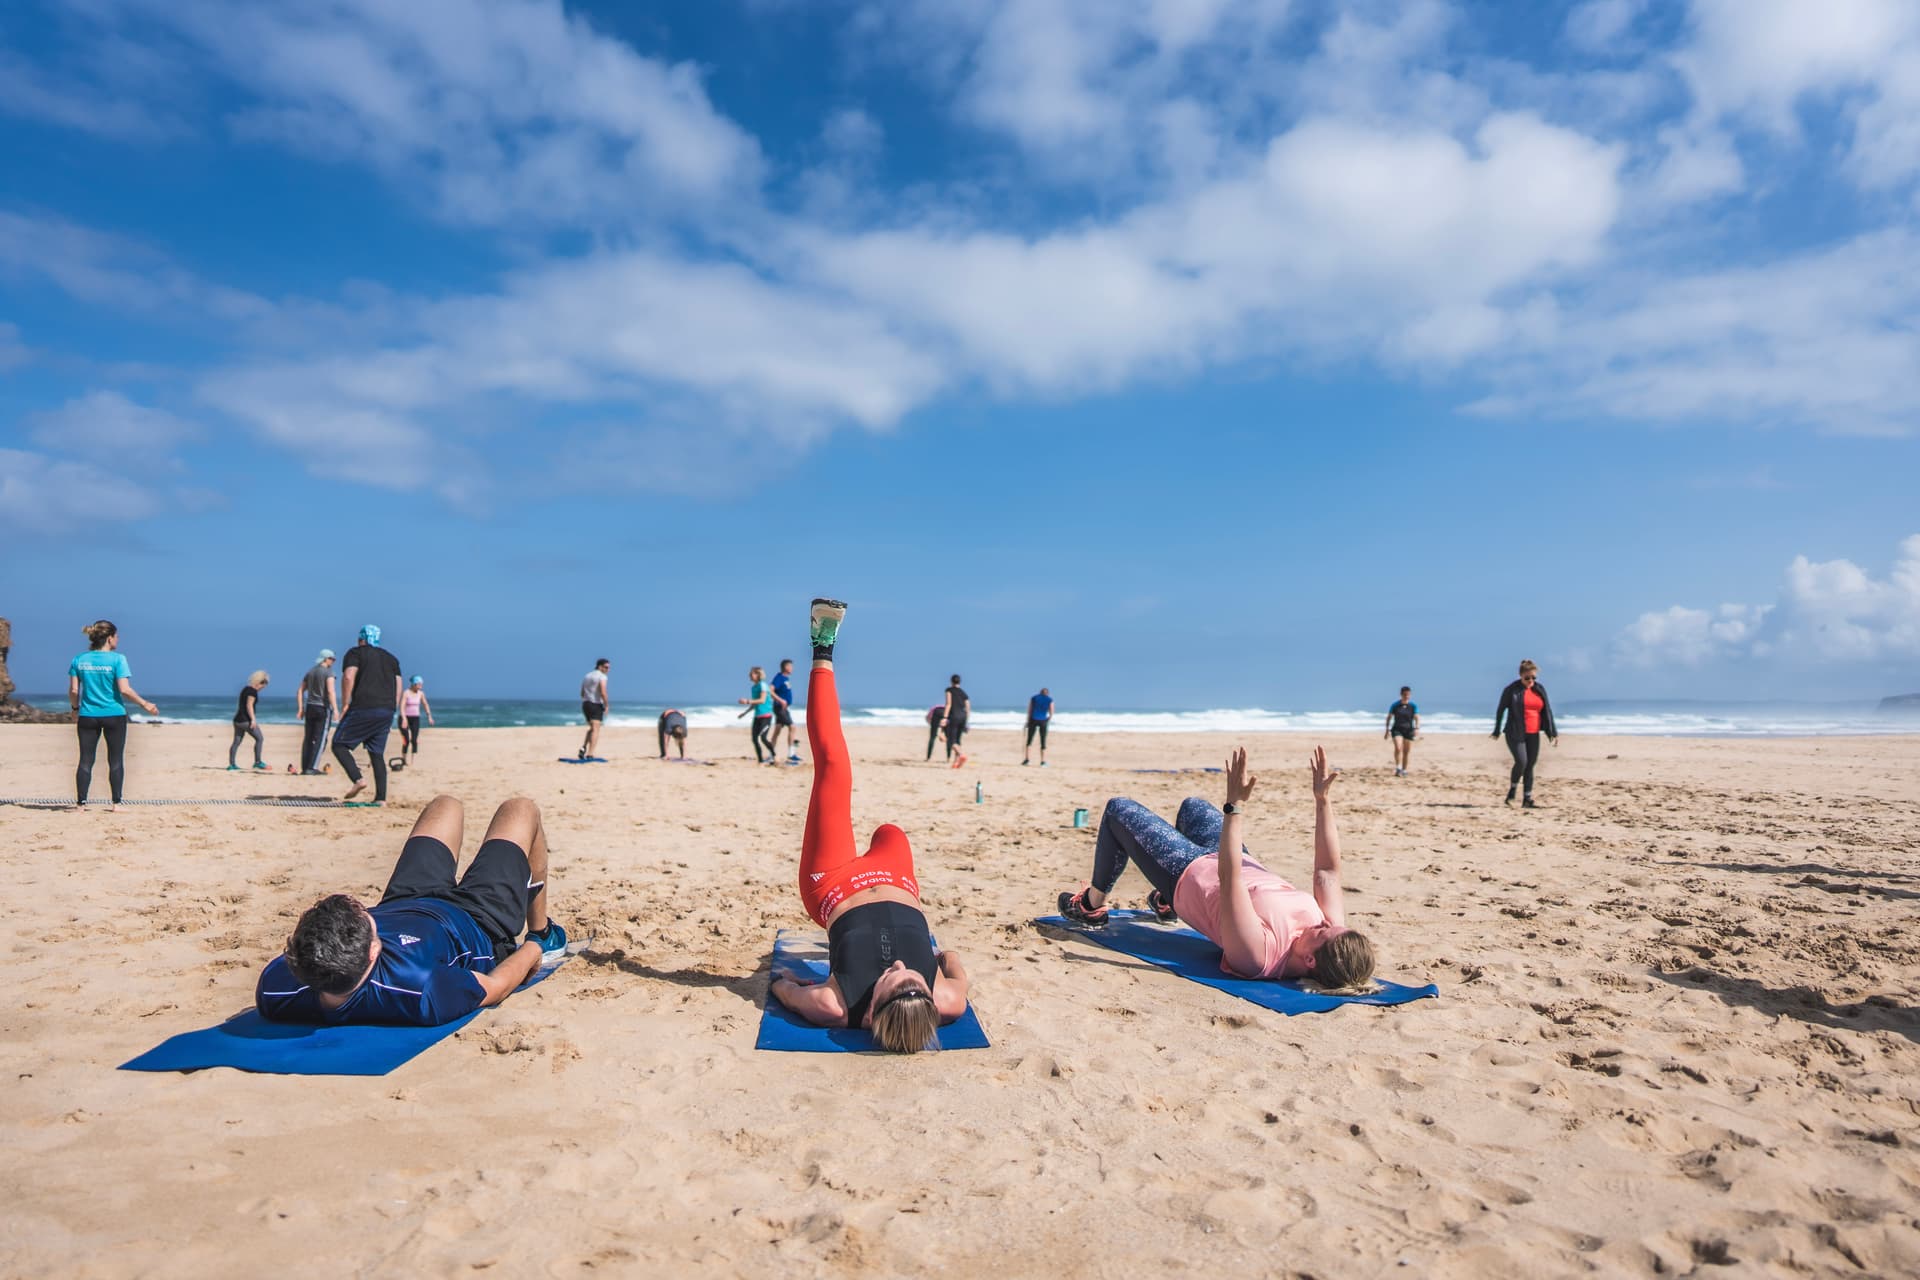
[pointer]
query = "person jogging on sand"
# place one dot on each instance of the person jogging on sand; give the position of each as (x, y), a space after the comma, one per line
(246, 721)
(953, 714)
(1264, 927)
(884, 971)
(371, 691)
(434, 949)
(97, 680)
(593, 705)
(1403, 724)
(318, 707)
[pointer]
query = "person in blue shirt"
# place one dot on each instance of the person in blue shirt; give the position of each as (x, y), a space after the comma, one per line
(97, 680)
(1403, 724)
(434, 949)
(1039, 716)
(782, 683)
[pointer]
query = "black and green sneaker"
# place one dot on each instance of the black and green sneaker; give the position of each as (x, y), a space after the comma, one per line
(824, 625)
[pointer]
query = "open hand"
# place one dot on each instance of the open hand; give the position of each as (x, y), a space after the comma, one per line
(1240, 783)
(1324, 774)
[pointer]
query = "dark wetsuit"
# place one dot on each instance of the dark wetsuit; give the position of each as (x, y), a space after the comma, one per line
(864, 941)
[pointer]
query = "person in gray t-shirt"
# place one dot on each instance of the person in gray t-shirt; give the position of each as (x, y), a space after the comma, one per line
(593, 705)
(317, 706)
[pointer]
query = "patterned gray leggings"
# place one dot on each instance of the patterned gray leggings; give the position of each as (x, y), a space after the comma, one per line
(1162, 851)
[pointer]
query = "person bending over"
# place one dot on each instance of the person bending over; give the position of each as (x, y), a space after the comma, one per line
(673, 724)
(1264, 927)
(885, 974)
(434, 949)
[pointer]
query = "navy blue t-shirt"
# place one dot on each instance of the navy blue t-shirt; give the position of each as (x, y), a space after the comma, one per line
(784, 687)
(429, 952)
(1040, 707)
(1403, 714)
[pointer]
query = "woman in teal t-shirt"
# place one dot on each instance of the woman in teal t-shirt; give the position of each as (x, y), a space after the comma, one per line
(96, 682)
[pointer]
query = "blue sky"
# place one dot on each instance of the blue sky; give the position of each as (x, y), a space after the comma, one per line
(1168, 352)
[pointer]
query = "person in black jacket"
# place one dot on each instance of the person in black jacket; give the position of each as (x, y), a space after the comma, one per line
(1527, 714)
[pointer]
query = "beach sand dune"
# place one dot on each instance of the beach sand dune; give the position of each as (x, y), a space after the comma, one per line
(1678, 1032)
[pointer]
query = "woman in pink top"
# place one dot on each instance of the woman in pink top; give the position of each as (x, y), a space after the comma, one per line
(1264, 927)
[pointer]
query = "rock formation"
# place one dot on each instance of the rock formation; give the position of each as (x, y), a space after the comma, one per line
(1907, 702)
(19, 712)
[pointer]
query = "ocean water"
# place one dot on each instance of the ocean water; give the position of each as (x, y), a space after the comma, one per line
(1653, 719)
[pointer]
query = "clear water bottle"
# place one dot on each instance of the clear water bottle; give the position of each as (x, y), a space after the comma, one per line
(979, 795)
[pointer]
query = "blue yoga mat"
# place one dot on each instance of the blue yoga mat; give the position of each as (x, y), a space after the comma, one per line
(577, 760)
(804, 955)
(1175, 947)
(248, 1042)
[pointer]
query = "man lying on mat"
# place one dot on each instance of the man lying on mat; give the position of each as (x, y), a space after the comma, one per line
(1264, 927)
(434, 949)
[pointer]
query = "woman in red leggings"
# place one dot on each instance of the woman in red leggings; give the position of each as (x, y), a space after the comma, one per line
(885, 974)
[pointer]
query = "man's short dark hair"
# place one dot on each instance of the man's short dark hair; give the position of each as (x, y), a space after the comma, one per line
(1406, 688)
(330, 946)
(786, 662)
(602, 662)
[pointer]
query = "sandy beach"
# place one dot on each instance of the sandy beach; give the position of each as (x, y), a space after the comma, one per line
(1678, 1029)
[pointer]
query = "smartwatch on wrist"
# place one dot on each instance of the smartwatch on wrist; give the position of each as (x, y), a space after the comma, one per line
(1230, 809)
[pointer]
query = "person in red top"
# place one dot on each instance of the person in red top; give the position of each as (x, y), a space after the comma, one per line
(1526, 714)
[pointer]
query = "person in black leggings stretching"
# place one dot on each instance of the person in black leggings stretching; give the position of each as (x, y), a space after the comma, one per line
(1527, 714)
(97, 680)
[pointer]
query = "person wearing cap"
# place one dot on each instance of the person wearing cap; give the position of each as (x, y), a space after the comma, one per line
(593, 705)
(317, 709)
(370, 688)
(412, 703)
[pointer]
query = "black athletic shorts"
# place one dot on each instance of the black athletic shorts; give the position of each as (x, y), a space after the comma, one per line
(1404, 733)
(594, 710)
(782, 715)
(495, 891)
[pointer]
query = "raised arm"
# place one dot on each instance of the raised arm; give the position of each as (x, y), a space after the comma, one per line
(1326, 842)
(1242, 941)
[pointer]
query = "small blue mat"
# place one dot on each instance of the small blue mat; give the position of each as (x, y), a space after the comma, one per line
(248, 1042)
(577, 760)
(804, 955)
(1175, 947)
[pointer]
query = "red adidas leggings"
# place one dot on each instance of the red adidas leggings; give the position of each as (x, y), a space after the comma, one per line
(831, 869)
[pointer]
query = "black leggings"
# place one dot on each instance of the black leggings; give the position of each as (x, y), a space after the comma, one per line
(763, 737)
(933, 736)
(115, 729)
(1041, 725)
(1526, 754)
(240, 731)
(312, 739)
(410, 734)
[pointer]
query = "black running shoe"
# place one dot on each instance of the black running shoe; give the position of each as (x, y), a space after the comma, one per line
(1528, 803)
(1074, 907)
(1161, 908)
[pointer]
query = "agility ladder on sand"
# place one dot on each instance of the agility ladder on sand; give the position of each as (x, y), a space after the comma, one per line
(270, 803)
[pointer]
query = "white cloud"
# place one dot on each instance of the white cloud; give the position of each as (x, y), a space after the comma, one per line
(40, 494)
(107, 424)
(1600, 25)
(1688, 637)
(1764, 60)
(505, 111)
(1828, 612)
